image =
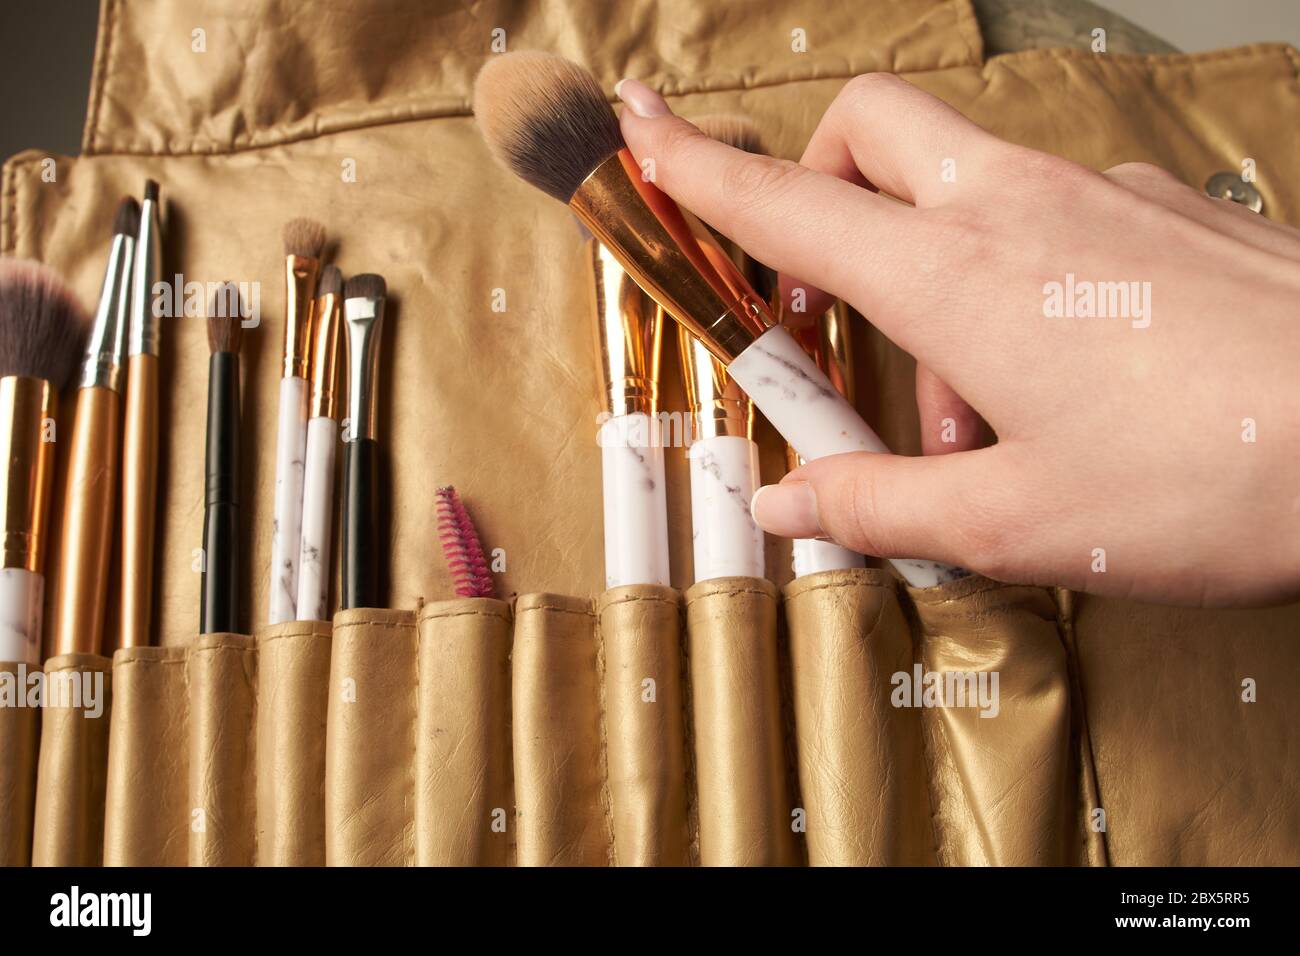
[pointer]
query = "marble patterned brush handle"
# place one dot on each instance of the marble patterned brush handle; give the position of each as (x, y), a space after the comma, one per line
(317, 520)
(636, 509)
(800, 402)
(286, 535)
(22, 603)
(724, 476)
(811, 556)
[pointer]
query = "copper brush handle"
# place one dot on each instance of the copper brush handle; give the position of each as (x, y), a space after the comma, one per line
(139, 505)
(88, 523)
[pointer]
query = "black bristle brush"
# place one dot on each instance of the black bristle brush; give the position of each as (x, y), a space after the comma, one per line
(220, 593)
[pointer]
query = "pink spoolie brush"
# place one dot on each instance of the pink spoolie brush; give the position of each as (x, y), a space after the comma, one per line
(461, 545)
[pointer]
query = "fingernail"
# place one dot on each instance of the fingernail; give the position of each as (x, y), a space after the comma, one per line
(641, 100)
(788, 509)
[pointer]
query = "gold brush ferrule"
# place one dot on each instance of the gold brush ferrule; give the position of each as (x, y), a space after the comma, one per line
(718, 405)
(325, 355)
(628, 331)
(672, 256)
(26, 404)
(300, 273)
(829, 342)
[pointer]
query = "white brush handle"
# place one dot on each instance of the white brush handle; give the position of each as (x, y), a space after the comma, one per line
(724, 477)
(317, 520)
(811, 556)
(286, 536)
(22, 607)
(802, 404)
(636, 509)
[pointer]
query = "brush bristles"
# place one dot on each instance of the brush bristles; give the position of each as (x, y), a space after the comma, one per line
(735, 131)
(303, 237)
(365, 286)
(330, 281)
(127, 220)
(461, 546)
(225, 319)
(546, 119)
(151, 190)
(42, 325)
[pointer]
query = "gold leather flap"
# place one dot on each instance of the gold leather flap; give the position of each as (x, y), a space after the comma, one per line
(745, 810)
(69, 819)
(19, 744)
(862, 774)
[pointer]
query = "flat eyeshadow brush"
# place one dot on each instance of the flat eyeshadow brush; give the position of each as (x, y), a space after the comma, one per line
(220, 587)
(322, 440)
(303, 241)
(140, 432)
(89, 503)
(363, 318)
(548, 121)
(42, 330)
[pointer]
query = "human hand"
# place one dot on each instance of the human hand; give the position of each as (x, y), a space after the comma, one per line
(1161, 445)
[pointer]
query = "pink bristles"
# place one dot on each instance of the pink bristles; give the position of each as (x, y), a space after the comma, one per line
(460, 543)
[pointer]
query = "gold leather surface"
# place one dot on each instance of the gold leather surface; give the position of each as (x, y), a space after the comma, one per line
(20, 729)
(644, 726)
(69, 824)
(260, 127)
(1001, 787)
(463, 794)
(744, 804)
(861, 769)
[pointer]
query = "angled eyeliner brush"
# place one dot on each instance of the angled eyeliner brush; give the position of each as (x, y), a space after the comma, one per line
(363, 315)
(220, 586)
(88, 508)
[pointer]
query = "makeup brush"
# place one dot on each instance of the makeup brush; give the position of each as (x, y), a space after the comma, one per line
(363, 315)
(322, 439)
(549, 122)
(303, 241)
(140, 431)
(829, 343)
(632, 454)
(42, 329)
(462, 547)
(220, 587)
(723, 456)
(88, 507)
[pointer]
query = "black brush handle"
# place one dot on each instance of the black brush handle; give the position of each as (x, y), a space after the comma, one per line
(220, 590)
(361, 555)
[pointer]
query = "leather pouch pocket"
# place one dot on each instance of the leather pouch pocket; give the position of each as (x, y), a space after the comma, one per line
(744, 802)
(20, 724)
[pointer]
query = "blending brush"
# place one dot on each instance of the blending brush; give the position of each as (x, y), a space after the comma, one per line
(88, 508)
(632, 454)
(140, 432)
(723, 456)
(303, 241)
(829, 343)
(322, 439)
(41, 333)
(363, 316)
(548, 121)
(462, 547)
(220, 588)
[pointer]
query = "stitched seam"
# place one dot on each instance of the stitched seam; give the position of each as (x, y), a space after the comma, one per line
(250, 797)
(387, 625)
(606, 799)
(446, 615)
(11, 204)
(730, 592)
(412, 823)
(271, 639)
(562, 610)
(100, 78)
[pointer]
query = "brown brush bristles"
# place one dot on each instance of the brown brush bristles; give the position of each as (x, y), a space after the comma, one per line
(366, 286)
(42, 325)
(330, 281)
(735, 131)
(225, 319)
(546, 119)
(151, 190)
(303, 237)
(127, 220)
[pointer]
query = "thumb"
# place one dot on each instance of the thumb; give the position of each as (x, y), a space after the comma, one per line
(782, 214)
(943, 508)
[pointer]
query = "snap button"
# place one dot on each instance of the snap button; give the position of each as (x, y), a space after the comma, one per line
(1232, 186)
